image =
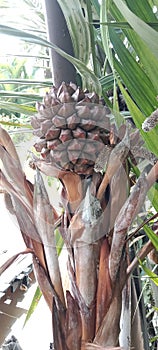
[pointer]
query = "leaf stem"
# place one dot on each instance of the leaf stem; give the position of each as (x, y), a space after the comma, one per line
(92, 40)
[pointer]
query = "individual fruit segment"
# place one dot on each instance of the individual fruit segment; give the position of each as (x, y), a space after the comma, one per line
(52, 133)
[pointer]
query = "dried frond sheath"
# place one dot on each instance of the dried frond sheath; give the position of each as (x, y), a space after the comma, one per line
(102, 159)
(116, 158)
(47, 168)
(87, 313)
(8, 203)
(125, 321)
(137, 340)
(16, 196)
(91, 346)
(123, 221)
(150, 122)
(73, 323)
(44, 221)
(118, 193)
(58, 329)
(7, 143)
(29, 232)
(86, 231)
(44, 283)
(108, 333)
(86, 280)
(73, 186)
(104, 290)
(90, 223)
(16, 175)
(144, 153)
(75, 290)
(152, 176)
(48, 291)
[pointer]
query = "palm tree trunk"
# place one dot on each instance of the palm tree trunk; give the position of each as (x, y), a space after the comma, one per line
(58, 34)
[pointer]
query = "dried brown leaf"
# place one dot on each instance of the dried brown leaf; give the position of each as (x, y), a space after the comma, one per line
(7, 143)
(44, 283)
(116, 159)
(73, 324)
(12, 259)
(44, 220)
(75, 290)
(4, 183)
(58, 331)
(137, 340)
(104, 290)
(144, 153)
(123, 221)
(118, 193)
(108, 333)
(29, 232)
(88, 225)
(125, 320)
(86, 279)
(15, 175)
(102, 159)
(85, 261)
(47, 168)
(73, 186)
(86, 231)
(90, 346)
(152, 177)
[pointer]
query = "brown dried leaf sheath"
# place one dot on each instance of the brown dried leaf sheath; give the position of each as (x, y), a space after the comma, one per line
(123, 222)
(44, 221)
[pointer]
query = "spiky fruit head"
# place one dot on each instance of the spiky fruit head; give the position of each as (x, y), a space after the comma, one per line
(73, 127)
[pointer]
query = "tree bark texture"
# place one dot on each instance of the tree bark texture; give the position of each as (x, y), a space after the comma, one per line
(58, 34)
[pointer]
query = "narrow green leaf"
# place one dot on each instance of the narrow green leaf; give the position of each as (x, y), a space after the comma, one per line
(145, 12)
(34, 303)
(155, 2)
(12, 94)
(78, 28)
(155, 308)
(124, 25)
(59, 242)
(90, 80)
(150, 66)
(149, 273)
(92, 37)
(16, 125)
(26, 82)
(148, 34)
(105, 31)
(152, 236)
(96, 6)
(107, 82)
(138, 117)
(153, 196)
(142, 9)
(152, 340)
(133, 75)
(18, 108)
